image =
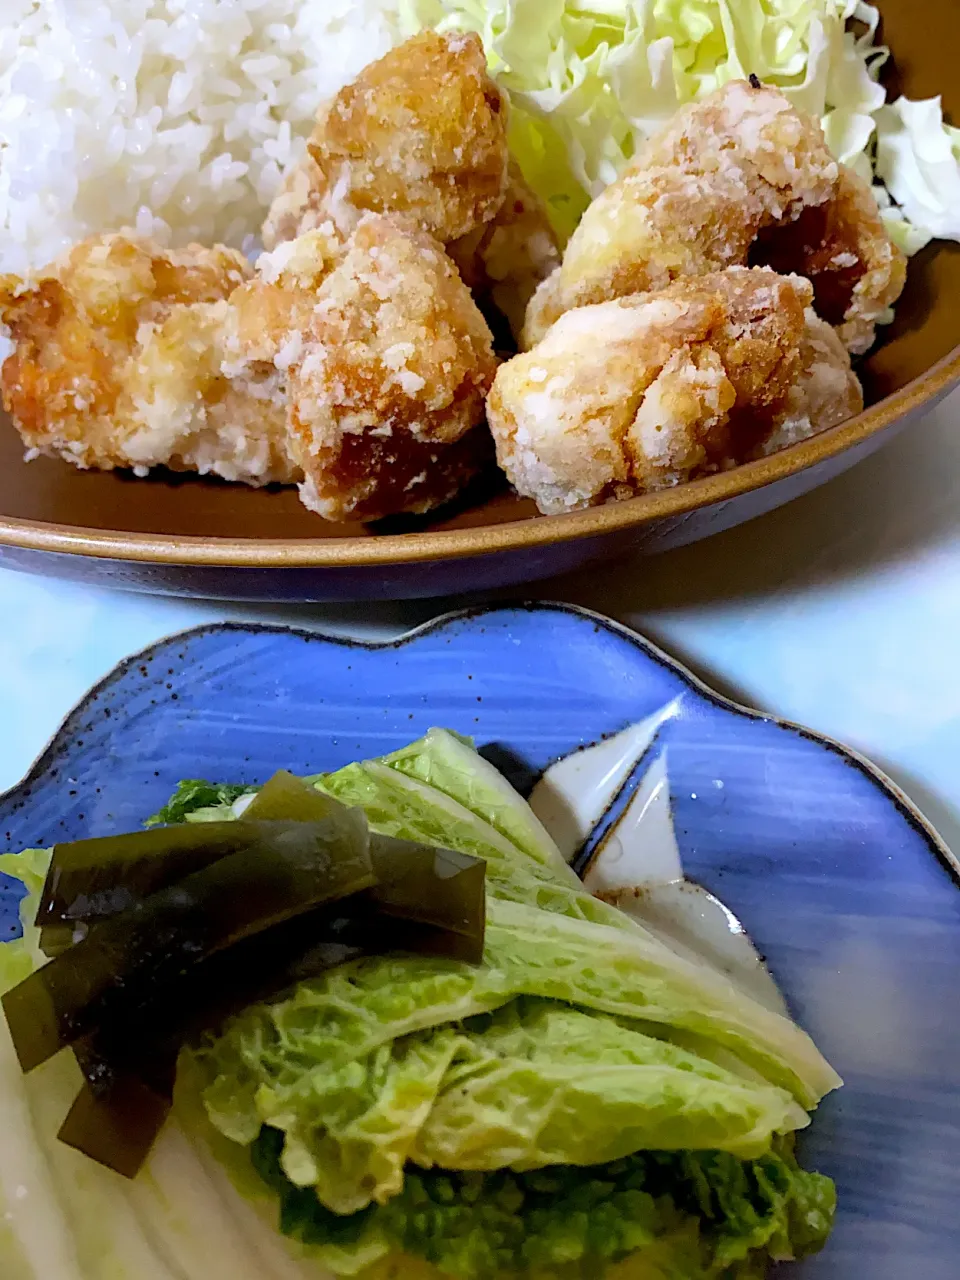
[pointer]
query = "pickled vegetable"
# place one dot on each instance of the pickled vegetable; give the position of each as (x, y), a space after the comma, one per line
(158, 936)
(117, 1130)
(125, 961)
(261, 967)
(285, 797)
(95, 879)
(223, 984)
(130, 1071)
(129, 1068)
(415, 882)
(92, 880)
(437, 888)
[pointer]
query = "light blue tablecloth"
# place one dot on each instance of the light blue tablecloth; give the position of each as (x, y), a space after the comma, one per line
(841, 611)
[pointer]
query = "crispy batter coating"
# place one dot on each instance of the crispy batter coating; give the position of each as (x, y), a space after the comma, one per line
(844, 249)
(644, 392)
(505, 261)
(827, 392)
(692, 201)
(359, 373)
(298, 207)
(386, 365)
(422, 131)
(115, 363)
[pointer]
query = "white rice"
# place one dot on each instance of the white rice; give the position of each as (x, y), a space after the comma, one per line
(177, 117)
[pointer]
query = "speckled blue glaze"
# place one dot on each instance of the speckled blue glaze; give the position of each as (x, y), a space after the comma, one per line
(844, 889)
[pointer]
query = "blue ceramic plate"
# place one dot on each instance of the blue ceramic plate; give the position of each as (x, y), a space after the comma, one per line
(844, 888)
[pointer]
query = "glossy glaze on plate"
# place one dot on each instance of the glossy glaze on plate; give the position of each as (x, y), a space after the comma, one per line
(841, 885)
(200, 537)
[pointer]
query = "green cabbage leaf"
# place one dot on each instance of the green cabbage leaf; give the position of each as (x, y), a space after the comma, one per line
(580, 1038)
(651, 1216)
(585, 1102)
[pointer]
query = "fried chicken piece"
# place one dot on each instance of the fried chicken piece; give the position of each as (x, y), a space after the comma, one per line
(845, 250)
(645, 392)
(386, 362)
(115, 363)
(422, 132)
(505, 261)
(692, 201)
(827, 393)
(298, 207)
(195, 413)
(359, 373)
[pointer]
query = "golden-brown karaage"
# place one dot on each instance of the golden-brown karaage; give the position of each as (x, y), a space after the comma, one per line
(355, 361)
(692, 200)
(742, 177)
(844, 249)
(386, 365)
(357, 371)
(827, 392)
(421, 131)
(504, 261)
(115, 363)
(648, 391)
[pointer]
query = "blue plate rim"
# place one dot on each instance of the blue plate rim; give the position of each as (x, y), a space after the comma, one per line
(907, 809)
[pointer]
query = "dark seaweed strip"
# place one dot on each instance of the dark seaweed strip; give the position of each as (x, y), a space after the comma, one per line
(125, 961)
(415, 882)
(436, 888)
(429, 901)
(118, 1130)
(285, 797)
(95, 879)
(55, 939)
(157, 1068)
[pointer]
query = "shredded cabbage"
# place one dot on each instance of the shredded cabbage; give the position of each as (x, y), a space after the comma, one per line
(591, 79)
(918, 158)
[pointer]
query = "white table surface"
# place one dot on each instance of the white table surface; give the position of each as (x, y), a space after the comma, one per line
(840, 611)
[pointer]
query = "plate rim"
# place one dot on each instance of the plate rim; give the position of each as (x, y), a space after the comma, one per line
(531, 532)
(908, 810)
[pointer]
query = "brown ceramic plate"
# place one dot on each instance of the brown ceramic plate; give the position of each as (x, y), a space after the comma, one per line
(197, 537)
